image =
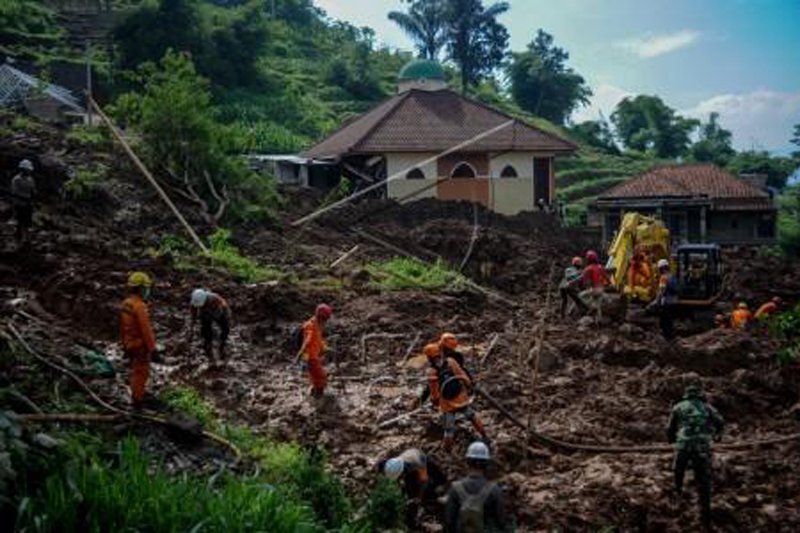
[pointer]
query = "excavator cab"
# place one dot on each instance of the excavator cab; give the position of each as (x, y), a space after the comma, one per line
(699, 272)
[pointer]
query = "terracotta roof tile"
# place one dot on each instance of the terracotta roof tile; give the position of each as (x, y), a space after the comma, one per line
(430, 121)
(696, 180)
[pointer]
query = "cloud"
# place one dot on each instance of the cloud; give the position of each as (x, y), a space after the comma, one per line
(655, 45)
(604, 100)
(761, 119)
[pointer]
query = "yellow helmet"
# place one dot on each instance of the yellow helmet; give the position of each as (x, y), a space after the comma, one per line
(139, 279)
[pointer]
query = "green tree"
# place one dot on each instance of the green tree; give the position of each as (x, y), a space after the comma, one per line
(795, 140)
(425, 24)
(596, 133)
(476, 41)
(192, 153)
(777, 169)
(543, 84)
(224, 42)
(646, 124)
(714, 144)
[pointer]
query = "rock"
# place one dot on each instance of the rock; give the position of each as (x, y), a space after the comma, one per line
(45, 441)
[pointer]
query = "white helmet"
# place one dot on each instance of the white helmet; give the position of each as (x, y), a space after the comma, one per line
(199, 297)
(394, 468)
(26, 164)
(663, 263)
(478, 450)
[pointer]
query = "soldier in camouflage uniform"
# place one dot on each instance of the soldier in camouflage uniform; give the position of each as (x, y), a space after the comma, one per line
(692, 425)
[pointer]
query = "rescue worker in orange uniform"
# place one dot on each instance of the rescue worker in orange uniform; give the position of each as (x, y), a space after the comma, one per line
(640, 280)
(741, 318)
(449, 388)
(314, 347)
(136, 334)
(594, 275)
(768, 308)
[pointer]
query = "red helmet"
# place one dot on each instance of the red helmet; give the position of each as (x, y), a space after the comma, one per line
(324, 311)
(577, 261)
(591, 256)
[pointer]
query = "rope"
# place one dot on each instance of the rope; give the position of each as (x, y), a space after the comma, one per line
(119, 412)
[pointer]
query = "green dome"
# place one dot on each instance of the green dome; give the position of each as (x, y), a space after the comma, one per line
(421, 69)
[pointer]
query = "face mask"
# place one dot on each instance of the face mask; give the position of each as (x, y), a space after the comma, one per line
(145, 293)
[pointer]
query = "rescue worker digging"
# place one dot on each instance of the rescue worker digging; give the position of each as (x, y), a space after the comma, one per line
(314, 347)
(692, 425)
(212, 309)
(741, 317)
(420, 477)
(136, 334)
(474, 503)
(449, 388)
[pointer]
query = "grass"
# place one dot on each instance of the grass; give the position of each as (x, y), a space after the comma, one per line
(189, 401)
(88, 137)
(84, 181)
(402, 273)
(222, 256)
(128, 493)
(588, 188)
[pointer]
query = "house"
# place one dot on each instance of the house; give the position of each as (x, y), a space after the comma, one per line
(698, 202)
(408, 141)
(45, 101)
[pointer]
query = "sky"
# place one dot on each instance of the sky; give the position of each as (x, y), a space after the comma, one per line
(740, 58)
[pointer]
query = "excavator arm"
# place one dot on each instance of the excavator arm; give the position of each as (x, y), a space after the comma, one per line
(637, 232)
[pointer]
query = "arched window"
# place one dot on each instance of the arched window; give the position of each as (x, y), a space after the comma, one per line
(508, 172)
(415, 174)
(463, 170)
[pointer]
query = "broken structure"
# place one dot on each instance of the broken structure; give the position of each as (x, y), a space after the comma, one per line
(699, 203)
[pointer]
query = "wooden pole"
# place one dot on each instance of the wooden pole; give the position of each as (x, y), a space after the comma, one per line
(146, 173)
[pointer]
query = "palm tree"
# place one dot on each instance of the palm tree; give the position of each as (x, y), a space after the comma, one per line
(425, 23)
(476, 41)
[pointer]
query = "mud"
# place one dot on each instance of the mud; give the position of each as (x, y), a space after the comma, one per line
(610, 383)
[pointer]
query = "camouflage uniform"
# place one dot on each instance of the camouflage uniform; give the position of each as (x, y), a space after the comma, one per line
(692, 425)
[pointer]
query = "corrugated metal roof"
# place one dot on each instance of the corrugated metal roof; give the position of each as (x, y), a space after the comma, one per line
(15, 86)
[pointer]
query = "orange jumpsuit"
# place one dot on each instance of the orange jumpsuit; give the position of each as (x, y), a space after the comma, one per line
(314, 349)
(765, 310)
(138, 341)
(740, 318)
(461, 400)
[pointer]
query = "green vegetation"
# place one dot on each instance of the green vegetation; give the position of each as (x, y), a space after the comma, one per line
(187, 400)
(789, 221)
(93, 137)
(786, 328)
(222, 255)
(84, 180)
(93, 493)
(402, 273)
(386, 505)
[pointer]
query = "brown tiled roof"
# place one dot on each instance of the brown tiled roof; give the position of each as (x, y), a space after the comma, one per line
(697, 180)
(432, 121)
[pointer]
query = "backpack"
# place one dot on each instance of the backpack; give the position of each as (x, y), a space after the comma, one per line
(696, 424)
(296, 338)
(449, 384)
(470, 515)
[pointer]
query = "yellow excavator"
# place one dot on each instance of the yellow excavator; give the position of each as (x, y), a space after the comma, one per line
(641, 242)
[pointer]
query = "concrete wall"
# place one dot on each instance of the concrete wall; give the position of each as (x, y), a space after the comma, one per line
(511, 196)
(401, 188)
(401, 162)
(737, 227)
(521, 161)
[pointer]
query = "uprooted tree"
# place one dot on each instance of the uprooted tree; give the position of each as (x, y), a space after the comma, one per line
(192, 154)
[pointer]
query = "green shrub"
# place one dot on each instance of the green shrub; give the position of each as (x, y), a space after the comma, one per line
(88, 137)
(84, 180)
(93, 494)
(386, 506)
(402, 273)
(789, 221)
(225, 255)
(785, 327)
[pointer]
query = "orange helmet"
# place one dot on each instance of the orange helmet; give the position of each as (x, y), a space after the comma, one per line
(449, 341)
(577, 261)
(431, 351)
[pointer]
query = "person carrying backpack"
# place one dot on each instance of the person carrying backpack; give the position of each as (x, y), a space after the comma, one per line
(692, 425)
(475, 504)
(449, 387)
